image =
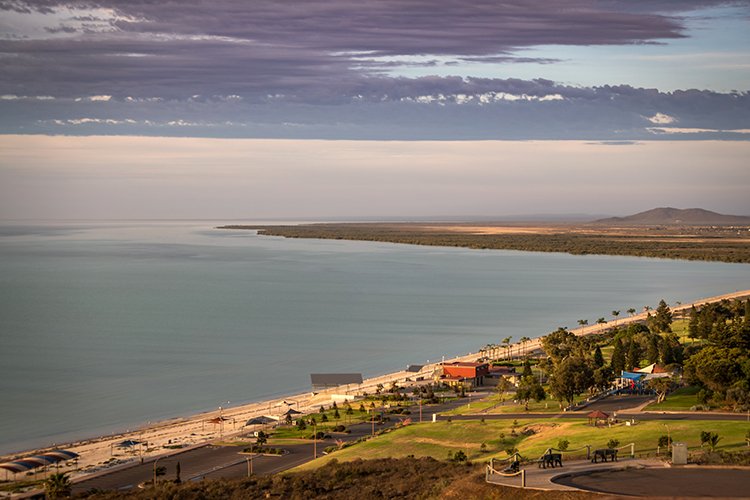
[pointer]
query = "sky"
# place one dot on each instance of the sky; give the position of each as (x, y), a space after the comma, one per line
(475, 93)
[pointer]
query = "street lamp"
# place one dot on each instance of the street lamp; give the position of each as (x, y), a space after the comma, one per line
(155, 461)
(669, 438)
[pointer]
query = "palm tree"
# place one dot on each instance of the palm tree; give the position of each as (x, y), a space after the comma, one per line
(601, 321)
(524, 340)
(631, 311)
(615, 314)
(506, 341)
(58, 485)
(583, 322)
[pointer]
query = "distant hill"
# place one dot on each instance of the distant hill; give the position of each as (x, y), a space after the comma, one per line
(668, 215)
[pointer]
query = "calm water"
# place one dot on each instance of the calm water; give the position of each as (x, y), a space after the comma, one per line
(104, 327)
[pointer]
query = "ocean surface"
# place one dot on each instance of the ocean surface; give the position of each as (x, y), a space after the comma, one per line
(108, 326)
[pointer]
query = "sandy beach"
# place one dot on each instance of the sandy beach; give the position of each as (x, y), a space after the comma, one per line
(170, 436)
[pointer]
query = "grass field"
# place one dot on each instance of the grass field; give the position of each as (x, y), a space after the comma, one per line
(681, 399)
(437, 439)
(492, 404)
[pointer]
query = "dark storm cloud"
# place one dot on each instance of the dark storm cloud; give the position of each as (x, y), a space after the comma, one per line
(170, 48)
(270, 68)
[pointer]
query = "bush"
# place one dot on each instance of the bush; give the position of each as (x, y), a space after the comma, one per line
(563, 444)
(613, 443)
(664, 441)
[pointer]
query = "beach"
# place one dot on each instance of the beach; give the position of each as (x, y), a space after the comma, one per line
(171, 436)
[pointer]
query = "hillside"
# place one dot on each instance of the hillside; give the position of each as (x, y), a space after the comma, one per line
(668, 215)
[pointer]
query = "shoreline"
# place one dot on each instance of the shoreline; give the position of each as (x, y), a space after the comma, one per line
(177, 433)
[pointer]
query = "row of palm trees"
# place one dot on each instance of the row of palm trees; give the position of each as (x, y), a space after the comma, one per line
(504, 350)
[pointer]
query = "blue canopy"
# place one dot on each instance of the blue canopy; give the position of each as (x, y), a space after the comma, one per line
(632, 376)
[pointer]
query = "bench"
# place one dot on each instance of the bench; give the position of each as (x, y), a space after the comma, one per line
(551, 459)
(514, 467)
(604, 454)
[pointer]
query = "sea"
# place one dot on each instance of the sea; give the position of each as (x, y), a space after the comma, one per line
(108, 326)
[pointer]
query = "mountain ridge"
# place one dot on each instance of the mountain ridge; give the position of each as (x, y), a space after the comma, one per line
(677, 216)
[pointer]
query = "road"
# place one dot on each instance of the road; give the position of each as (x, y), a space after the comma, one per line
(213, 462)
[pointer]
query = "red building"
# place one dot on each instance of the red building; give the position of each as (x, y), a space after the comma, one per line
(465, 372)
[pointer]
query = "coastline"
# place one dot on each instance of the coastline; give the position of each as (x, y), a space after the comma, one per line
(172, 435)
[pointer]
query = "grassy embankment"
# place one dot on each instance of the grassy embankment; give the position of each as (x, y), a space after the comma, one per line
(438, 439)
(687, 243)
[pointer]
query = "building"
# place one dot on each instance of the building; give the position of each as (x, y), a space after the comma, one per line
(464, 373)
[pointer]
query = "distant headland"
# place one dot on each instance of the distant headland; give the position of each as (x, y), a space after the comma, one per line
(670, 233)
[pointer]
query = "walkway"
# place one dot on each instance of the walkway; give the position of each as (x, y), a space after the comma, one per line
(541, 479)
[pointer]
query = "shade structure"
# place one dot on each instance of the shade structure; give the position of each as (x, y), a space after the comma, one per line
(128, 443)
(35, 461)
(263, 420)
(291, 412)
(597, 414)
(218, 420)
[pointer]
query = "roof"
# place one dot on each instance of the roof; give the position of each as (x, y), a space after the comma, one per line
(263, 420)
(652, 368)
(632, 375)
(467, 364)
(597, 414)
(335, 379)
(414, 368)
(28, 463)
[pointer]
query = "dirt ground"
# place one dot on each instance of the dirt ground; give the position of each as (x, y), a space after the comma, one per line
(687, 482)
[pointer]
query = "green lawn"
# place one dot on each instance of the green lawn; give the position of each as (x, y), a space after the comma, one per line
(437, 439)
(681, 399)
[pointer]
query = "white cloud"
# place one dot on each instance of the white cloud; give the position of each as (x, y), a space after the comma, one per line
(662, 119)
(481, 99)
(678, 130)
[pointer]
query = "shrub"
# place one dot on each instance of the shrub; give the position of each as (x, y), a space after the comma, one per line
(613, 443)
(563, 444)
(664, 441)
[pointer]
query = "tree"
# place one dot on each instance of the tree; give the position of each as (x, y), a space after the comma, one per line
(615, 314)
(652, 353)
(633, 357)
(177, 471)
(613, 443)
(563, 444)
(583, 322)
(524, 341)
(527, 369)
(631, 311)
(560, 343)
(503, 384)
(58, 485)
(602, 377)
(261, 439)
(598, 357)
(570, 377)
(618, 357)
(661, 386)
(662, 320)
(506, 341)
(710, 439)
(529, 388)
(601, 321)
(664, 441)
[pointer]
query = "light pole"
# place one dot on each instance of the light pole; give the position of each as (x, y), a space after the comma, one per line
(315, 439)
(155, 461)
(669, 438)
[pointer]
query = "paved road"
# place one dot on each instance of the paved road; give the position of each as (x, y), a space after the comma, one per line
(215, 462)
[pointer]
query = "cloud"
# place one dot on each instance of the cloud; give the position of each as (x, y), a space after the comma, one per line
(265, 47)
(250, 69)
(661, 119)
